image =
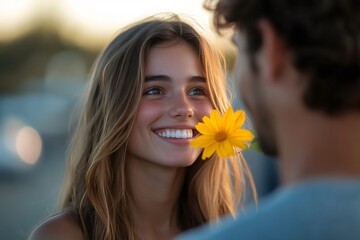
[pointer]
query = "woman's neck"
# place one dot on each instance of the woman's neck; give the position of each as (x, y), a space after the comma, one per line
(155, 190)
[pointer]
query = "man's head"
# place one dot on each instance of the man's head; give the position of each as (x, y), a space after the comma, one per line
(316, 43)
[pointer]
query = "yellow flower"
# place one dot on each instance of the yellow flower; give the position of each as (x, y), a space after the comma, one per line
(222, 134)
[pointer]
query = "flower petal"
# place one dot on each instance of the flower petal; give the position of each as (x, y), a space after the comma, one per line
(228, 120)
(228, 114)
(239, 119)
(238, 143)
(209, 150)
(242, 134)
(211, 123)
(235, 121)
(216, 118)
(202, 141)
(225, 149)
(205, 129)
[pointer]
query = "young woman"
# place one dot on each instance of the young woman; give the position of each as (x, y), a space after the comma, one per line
(132, 173)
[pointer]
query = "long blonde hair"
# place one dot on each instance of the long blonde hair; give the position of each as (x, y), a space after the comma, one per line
(96, 188)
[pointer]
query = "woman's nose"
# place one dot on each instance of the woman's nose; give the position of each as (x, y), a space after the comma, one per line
(181, 107)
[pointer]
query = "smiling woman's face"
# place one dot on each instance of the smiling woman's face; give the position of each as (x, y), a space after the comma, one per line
(175, 98)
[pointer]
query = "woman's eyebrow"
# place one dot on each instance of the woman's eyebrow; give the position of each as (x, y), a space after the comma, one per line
(198, 79)
(157, 78)
(165, 78)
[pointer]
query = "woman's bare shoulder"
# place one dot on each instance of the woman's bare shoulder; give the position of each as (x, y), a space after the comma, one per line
(60, 226)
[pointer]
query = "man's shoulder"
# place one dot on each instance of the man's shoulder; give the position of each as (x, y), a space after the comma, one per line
(58, 227)
(306, 211)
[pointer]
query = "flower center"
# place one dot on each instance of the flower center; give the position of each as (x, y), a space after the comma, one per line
(220, 136)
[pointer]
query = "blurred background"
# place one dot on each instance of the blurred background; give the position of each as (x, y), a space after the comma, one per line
(47, 48)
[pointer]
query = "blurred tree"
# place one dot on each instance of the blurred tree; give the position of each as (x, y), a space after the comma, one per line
(26, 57)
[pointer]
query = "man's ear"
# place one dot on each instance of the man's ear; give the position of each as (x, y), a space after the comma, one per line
(274, 51)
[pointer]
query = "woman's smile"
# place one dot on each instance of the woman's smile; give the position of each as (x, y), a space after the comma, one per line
(179, 136)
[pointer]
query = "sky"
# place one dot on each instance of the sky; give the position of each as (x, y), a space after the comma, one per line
(88, 21)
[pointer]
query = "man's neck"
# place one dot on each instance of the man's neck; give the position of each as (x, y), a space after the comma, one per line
(315, 145)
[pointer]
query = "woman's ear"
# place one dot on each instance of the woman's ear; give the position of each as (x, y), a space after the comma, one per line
(274, 51)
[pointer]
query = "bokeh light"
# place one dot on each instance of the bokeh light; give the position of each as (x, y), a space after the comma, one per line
(28, 145)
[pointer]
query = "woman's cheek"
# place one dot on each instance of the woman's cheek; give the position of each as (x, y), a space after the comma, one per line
(149, 110)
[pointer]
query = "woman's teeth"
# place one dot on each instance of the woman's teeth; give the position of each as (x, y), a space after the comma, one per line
(176, 133)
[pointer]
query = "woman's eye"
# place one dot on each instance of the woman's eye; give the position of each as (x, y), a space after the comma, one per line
(153, 91)
(197, 91)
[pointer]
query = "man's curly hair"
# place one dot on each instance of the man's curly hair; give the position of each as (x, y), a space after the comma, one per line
(324, 36)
